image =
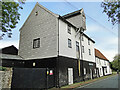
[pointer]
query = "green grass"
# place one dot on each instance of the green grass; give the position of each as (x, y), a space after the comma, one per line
(75, 85)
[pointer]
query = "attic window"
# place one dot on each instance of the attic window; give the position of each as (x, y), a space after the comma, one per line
(36, 13)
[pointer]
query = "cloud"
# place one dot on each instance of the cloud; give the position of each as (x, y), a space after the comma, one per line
(9, 43)
(108, 46)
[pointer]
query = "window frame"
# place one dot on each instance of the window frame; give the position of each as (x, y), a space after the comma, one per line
(89, 50)
(77, 45)
(82, 37)
(37, 40)
(88, 41)
(69, 29)
(69, 43)
(83, 51)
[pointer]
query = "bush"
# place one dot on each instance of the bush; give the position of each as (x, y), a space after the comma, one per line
(3, 68)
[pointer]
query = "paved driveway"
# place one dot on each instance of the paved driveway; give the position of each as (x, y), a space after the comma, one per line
(110, 82)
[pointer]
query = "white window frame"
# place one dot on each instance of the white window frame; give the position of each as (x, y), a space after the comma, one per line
(83, 50)
(69, 29)
(69, 43)
(89, 50)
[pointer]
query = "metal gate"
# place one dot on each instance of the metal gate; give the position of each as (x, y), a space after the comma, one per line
(32, 78)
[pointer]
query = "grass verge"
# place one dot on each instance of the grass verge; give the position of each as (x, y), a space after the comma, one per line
(75, 85)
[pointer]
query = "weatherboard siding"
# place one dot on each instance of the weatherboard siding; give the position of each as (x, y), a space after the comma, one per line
(77, 21)
(43, 26)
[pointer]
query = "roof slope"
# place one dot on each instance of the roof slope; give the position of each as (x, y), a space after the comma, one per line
(73, 13)
(99, 54)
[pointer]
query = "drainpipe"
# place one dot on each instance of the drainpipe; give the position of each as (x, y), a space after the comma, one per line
(81, 33)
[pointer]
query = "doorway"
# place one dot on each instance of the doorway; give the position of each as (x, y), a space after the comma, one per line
(91, 74)
(70, 76)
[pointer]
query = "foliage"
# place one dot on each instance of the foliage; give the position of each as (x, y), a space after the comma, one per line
(2, 68)
(112, 9)
(10, 17)
(116, 63)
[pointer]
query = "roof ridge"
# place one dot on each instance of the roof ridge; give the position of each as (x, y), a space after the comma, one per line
(72, 13)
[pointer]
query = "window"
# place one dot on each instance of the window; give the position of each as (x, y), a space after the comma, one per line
(89, 51)
(88, 42)
(104, 62)
(82, 38)
(83, 49)
(84, 71)
(69, 29)
(77, 50)
(36, 13)
(69, 43)
(77, 46)
(36, 43)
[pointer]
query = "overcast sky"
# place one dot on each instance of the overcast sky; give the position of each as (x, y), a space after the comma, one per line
(99, 28)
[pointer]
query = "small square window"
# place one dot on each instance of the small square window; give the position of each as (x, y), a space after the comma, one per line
(69, 29)
(36, 43)
(69, 43)
(36, 13)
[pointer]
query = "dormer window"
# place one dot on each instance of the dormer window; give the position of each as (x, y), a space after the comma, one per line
(69, 29)
(36, 13)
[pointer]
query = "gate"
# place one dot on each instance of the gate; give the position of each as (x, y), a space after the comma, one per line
(32, 78)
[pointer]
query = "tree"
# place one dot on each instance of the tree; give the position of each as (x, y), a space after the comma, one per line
(9, 17)
(116, 63)
(112, 9)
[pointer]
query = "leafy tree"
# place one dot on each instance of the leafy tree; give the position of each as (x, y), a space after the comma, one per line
(9, 17)
(116, 63)
(112, 9)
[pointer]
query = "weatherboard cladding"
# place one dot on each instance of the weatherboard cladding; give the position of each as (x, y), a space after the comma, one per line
(43, 26)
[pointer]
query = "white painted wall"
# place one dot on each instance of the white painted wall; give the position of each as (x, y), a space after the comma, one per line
(86, 55)
(64, 50)
(100, 63)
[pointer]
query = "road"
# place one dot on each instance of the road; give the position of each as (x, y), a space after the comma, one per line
(110, 82)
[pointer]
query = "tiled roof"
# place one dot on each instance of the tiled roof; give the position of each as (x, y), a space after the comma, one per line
(99, 54)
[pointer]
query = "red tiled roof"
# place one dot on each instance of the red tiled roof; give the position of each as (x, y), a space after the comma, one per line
(99, 54)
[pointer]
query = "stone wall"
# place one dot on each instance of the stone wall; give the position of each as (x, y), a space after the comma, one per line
(5, 78)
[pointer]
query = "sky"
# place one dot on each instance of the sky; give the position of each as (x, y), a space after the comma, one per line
(99, 28)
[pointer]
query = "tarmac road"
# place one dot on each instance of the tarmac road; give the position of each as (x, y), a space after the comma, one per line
(110, 82)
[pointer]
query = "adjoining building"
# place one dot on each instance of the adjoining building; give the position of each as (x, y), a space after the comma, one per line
(102, 64)
(9, 57)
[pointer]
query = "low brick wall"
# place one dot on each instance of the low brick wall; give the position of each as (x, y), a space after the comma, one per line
(6, 78)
